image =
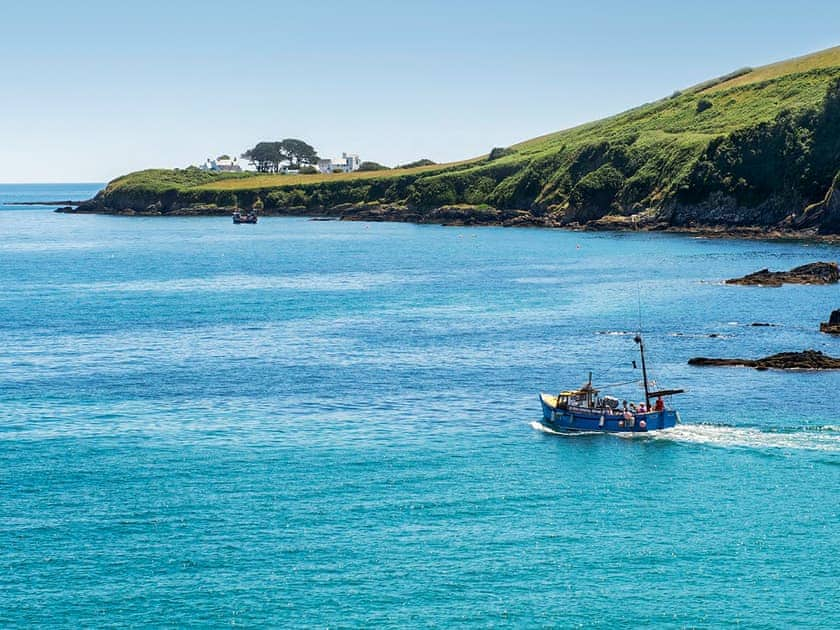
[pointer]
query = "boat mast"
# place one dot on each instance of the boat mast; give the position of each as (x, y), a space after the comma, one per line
(638, 340)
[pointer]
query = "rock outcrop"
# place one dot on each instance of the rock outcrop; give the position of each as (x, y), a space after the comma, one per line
(812, 273)
(832, 326)
(805, 360)
(824, 215)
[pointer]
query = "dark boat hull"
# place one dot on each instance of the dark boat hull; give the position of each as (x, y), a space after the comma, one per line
(595, 421)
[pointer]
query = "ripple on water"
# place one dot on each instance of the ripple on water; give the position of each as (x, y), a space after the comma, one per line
(327, 424)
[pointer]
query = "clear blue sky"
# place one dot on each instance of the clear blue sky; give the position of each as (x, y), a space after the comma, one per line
(94, 89)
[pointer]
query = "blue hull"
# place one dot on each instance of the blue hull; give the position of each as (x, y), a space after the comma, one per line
(594, 420)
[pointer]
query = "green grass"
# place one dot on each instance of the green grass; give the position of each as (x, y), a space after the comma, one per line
(262, 181)
(162, 180)
(829, 58)
(649, 157)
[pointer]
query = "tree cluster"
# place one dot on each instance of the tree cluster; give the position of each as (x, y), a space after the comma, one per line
(270, 157)
(795, 155)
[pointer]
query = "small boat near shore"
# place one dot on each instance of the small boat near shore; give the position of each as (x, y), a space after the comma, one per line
(248, 217)
(585, 410)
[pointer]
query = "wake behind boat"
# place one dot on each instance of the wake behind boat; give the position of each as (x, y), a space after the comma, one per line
(584, 409)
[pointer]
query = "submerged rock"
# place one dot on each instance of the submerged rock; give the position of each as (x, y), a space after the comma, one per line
(805, 360)
(832, 326)
(812, 273)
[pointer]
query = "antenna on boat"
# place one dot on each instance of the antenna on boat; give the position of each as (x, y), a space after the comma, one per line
(639, 295)
(638, 340)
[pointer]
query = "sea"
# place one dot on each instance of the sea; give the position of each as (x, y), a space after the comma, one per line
(325, 424)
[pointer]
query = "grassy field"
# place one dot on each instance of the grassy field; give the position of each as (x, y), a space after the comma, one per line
(720, 137)
(263, 181)
(829, 58)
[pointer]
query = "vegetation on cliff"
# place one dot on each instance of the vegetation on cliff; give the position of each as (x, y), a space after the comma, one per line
(753, 148)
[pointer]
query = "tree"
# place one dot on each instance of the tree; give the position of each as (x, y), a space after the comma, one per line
(266, 157)
(298, 152)
(499, 152)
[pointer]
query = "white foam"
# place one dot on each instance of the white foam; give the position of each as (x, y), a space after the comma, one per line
(539, 426)
(817, 439)
(822, 438)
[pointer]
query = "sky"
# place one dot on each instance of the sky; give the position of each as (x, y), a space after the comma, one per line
(90, 90)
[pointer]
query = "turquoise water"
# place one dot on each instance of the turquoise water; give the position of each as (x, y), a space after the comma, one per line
(335, 424)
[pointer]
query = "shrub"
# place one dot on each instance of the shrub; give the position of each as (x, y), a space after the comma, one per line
(499, 152)
(479, 190)
(308, 170)
(433, 193)
(703, 104)
(275, 199)
(596, 191)
(416, 163)
(372, 166)
(226, 198)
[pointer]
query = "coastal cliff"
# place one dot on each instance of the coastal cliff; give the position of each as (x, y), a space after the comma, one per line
(756, 150)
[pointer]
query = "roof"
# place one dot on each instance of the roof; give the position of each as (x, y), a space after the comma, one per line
(579, 392)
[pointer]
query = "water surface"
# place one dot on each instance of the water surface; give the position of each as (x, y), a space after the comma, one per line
(335, 424)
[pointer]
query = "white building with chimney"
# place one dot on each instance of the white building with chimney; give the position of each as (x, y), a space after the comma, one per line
(347, 163)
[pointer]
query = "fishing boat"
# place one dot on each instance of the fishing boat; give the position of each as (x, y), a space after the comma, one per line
(239, 217)
(584, 409)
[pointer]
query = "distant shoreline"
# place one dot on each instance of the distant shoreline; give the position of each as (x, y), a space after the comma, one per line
(446, 218)
(43, 203)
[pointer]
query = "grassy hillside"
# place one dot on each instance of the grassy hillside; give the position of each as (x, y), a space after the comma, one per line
(755, 147)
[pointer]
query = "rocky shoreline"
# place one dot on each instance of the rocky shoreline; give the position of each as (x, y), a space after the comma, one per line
(805, 360)
(832, 326)
(812, 273)
(460, 215)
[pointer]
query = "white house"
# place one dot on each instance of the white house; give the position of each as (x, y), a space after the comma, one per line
(347, 163)
(223, 163)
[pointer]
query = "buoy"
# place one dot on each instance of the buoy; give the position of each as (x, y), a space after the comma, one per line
(642, 424)
(601, 423)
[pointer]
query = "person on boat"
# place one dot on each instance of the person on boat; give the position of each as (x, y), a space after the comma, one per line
(642, 408)
(660, 404)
